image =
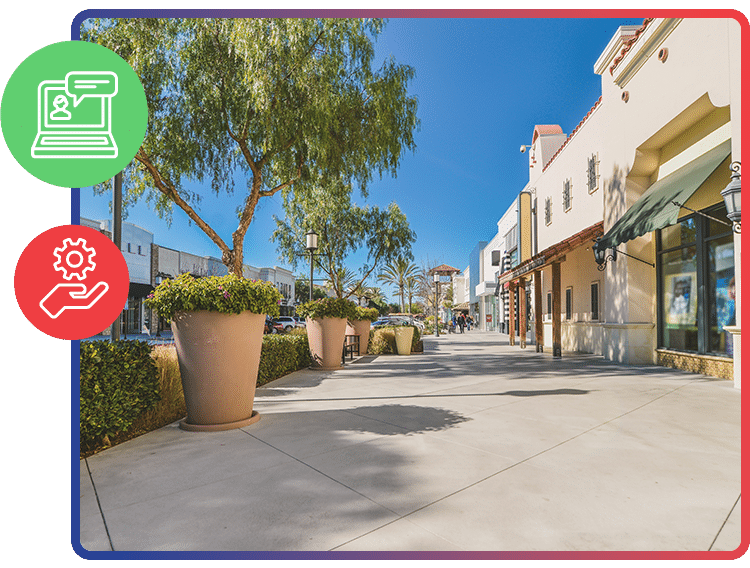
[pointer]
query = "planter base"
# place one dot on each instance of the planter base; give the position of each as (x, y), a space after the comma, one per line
(184, 425)
(315, 368)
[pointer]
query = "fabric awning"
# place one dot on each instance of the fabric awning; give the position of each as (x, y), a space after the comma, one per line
(654, 209)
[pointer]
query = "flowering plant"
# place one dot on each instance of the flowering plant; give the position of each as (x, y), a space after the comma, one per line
(228, 294)
(328, 308)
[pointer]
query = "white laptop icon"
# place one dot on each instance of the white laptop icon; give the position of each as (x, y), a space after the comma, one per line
(70, 127)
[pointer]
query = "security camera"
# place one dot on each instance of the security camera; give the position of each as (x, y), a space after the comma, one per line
(523, 149)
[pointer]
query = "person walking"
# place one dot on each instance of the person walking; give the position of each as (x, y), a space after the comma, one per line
(461, 322)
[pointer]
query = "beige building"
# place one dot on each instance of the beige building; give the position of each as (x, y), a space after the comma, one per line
(642, 172)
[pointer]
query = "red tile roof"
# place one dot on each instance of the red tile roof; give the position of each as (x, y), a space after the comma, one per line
(628, 43)
(444, 270)
(576, 129)
(544, 130)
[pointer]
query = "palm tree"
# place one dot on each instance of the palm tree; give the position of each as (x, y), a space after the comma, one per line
(397, 272)
(411, 289)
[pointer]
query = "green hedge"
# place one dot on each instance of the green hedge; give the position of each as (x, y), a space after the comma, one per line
(119, 381)
(281, 355)
(383, 340)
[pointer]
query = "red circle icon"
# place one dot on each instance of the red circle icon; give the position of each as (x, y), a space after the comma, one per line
(71, 282)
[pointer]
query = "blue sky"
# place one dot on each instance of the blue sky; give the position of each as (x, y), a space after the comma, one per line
(482, 85)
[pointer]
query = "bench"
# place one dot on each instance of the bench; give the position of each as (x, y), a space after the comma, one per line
(351, 344)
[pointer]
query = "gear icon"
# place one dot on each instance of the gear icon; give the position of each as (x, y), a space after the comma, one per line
(74, 259)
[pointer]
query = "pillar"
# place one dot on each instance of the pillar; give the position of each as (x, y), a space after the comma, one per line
(538, 323)
(522, 311)
(556, 311)
(512, 314)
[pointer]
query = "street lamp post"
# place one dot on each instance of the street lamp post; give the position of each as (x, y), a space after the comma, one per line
(312, 246)
(436, 278)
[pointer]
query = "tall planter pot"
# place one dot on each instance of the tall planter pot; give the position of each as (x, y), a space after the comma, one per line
(361, 328)
(326, 339)
(218, 356)
(404, 336)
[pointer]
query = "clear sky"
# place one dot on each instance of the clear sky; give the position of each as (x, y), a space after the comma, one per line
(482, 86)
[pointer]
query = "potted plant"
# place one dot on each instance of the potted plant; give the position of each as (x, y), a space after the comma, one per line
(360, 325)
(404, 334)
(217, 324)
(326, 327)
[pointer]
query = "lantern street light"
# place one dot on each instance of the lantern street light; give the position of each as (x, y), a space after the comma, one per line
(732, 197)
(436, 278)
(312, 246)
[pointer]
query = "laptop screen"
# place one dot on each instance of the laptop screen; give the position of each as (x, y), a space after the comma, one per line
(59, 113)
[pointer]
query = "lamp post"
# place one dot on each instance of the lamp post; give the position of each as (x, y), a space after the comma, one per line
(733, 199)
(436, 278)
(312, 246)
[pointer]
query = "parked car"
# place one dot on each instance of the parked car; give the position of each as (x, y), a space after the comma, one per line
(273, 326)
(287, 322)
(300, 321)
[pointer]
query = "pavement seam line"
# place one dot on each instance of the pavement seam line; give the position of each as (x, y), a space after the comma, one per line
(99, 504)
(725, 521)
(512, 466)
(320, 472)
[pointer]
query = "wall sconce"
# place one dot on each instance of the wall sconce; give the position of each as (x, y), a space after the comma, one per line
(625, 96)
(663, 54)
(733, 198)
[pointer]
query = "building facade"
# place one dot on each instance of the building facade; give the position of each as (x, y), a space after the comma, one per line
(624, 248)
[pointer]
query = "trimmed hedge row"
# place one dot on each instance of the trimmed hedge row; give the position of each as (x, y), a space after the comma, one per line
(281, 355)
(119, 381)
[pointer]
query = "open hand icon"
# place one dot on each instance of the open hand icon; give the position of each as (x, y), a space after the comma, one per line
(71, 296)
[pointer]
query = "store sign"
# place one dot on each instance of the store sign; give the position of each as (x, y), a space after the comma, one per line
(489, 318)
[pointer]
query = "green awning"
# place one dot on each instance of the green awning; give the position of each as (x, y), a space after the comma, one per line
(655, 210)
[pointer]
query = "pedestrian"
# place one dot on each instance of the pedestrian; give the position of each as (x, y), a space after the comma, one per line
(461, 322)
(469, 321)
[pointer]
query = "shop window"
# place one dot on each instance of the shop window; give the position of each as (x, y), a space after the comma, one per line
(697, 286)
(548, 210)
(595, 301)
(568, 303)
(567, 197)
(549, 304)
(593, 173)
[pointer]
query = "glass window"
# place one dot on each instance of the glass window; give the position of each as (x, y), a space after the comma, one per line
(721, 294)
(568, 303)
(595, 301)
(549, 303)
(680, 299)
(682, 234)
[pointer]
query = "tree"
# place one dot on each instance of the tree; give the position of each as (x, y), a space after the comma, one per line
(397, 273)
(343, 229)
(271, 101)
(302, 290)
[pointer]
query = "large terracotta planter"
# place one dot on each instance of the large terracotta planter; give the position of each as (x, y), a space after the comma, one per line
(404, 335)
(361, 328)
(218, 356)
(326, 339)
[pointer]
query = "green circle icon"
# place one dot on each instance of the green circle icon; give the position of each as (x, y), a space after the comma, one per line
(74, 114)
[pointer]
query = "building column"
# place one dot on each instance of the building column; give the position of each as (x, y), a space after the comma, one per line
(512, 314)
(556, 311)
(522, 311)
(538, 324)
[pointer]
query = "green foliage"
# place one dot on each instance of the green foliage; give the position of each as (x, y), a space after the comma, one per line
(399, 272)
(280, 101)
(281, 355)
(328, 308)
(302, 290)
(383, 340)
(344, 228)
(119, 381)
(228, 294)
(370, 314)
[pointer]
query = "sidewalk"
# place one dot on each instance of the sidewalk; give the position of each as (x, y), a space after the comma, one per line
(472, 445)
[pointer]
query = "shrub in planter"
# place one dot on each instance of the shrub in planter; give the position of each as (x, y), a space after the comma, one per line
(326, 326)
(119, 381)
(383, 340)
(217, 322)
(360, 325)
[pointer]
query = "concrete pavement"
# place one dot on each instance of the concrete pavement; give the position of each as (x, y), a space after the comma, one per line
(473, 445)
